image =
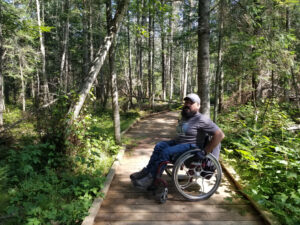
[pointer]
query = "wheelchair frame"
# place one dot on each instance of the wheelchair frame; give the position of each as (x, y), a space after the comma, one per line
(195, 178)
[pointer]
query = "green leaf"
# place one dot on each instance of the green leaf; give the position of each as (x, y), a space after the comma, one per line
(228, 150)
(33, 221)
(291, 175)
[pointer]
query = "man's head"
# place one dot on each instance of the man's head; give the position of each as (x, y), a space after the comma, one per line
(191, 105)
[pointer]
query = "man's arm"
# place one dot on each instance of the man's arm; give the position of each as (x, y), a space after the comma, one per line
(216, 139)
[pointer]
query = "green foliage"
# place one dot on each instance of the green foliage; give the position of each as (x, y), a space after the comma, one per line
(55, 181)
(49, 197)
(266, 156)
(3, 190)
(93, 144)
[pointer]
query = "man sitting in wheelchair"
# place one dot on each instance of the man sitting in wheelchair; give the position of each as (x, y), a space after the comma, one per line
(192, 132)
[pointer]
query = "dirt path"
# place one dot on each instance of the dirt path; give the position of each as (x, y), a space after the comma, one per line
(126, 205)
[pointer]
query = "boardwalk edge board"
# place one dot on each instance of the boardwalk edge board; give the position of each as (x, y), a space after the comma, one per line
(89, 220)
(268, 217)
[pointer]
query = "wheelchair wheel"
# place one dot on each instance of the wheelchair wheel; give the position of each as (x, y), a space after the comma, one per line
(196, 178)
(161, 195)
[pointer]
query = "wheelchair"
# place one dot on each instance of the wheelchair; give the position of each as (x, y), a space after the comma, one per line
(196, 176)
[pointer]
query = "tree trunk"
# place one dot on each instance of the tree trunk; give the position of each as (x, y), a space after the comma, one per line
(64, 64)
(98, 61)
(91, 30)
(1, 95)
(182, 74)
(137, 58)
(272, 84)
(143, 89)
(254, 86)
(163, 67)
(38, 83)
(295, 84)
(240, 91)
(44, 85)
(170, 46)
(294, 79)
(85, 39)
(221, 91)
(129, 63)
(1, 73)
(185, 73)
(32, 89)
(150, 59)
(187, 52)
(203, 56)
(22, 83)
(113, 76)
(152, 70)
(216, 97)
(219, 61)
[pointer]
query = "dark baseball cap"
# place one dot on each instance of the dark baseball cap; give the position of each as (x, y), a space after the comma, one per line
(193, 97)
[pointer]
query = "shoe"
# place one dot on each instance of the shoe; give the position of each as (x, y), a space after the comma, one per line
(139, 175)
(144, 182)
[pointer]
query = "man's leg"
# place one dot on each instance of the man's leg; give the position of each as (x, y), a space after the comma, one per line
(166, 155)
(160, 146)
(163, 155)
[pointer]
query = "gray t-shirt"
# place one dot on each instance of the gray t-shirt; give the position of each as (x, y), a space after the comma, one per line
(195, 130)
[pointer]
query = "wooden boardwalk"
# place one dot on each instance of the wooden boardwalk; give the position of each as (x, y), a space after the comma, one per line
(125, 204)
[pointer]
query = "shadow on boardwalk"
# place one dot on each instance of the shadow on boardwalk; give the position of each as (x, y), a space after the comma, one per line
(126, 205)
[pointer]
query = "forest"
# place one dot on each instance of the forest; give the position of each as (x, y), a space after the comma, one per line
(75, 74)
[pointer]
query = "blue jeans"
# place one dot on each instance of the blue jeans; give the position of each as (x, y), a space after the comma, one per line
(163, 151)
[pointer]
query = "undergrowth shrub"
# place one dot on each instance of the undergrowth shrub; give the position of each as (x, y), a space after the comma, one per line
(267, 157)
(54, 180)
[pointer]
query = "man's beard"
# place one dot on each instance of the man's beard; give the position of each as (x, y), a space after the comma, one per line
(187, 113)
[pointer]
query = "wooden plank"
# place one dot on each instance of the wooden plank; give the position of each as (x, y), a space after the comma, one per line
(126, 186)
(144, 201)
(115, 196)
(178, 223)
(133, 216)
(182, 208)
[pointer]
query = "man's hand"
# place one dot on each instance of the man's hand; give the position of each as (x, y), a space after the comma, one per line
(216, 139)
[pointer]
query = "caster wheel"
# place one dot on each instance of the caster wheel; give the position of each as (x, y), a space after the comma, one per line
(161, 195)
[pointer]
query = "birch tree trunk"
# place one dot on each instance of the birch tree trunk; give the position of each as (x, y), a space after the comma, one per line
(182, 74)
(64, 64)
(91, 30)
(150, 55)
(152, 72)
(44, 85)
(85, 39)
(221, 91)
(186, 45)
(185, 73)
(113, 76)
(203, 56)
(137, 58)
(163, 67)
(98, 61)
(129, 63)
(143, 89)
